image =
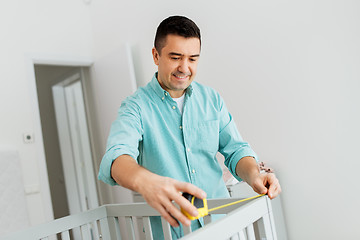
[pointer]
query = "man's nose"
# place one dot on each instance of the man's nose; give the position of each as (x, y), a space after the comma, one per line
(184, 67)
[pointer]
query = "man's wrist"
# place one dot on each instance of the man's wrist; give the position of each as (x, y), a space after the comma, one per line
(247, 169)
(141, 179)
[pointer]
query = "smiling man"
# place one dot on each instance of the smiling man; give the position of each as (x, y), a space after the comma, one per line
(166, 136)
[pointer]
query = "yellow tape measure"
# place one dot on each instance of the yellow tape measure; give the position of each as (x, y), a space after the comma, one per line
(202, 207)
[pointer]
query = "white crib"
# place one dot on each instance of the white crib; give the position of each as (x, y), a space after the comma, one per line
(245, 221)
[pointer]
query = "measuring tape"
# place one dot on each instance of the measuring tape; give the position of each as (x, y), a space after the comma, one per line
(202, 207)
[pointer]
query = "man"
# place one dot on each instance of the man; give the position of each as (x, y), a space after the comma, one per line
(165, 139)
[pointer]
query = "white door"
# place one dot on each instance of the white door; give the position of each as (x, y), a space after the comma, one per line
(75, 145)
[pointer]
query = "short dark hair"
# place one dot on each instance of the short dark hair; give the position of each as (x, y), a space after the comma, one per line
(177, 25)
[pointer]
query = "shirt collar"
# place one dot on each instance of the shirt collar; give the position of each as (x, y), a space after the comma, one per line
(161, 92)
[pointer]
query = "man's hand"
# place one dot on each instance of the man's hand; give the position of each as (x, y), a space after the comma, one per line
(266, 183)
(158, 191)
(262, 183)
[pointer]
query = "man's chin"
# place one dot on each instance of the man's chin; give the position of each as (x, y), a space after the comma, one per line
(181, 87)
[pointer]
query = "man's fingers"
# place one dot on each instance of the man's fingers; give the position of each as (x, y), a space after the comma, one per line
(260, 186)
(166, 214)
(274, 186)
(182, 202)
(267, 183)
(191, 189)
(168, 218)
(261, 189)
(177, 214)
(274, 190)
(168, 190)
(186, 205)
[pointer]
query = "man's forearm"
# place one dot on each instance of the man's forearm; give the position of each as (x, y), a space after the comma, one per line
(127, 173)
(247, 168)
(158, 191)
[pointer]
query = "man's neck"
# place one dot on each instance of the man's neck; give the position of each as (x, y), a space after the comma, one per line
(173, 93)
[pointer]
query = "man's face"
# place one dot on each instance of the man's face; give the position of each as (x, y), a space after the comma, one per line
(177, 63)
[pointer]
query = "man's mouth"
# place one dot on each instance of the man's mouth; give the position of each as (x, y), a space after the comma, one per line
(181, 76)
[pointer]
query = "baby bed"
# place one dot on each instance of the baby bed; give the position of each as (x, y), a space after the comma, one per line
(244, 221)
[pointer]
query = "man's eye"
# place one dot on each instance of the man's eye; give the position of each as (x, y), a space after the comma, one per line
(175, 58)
(192, 59)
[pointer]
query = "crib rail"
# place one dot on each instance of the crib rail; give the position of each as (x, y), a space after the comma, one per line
(245, 221)
(250, 221)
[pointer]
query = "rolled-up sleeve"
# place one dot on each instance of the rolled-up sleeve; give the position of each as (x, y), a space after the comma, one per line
(125, 134)
(231, 144)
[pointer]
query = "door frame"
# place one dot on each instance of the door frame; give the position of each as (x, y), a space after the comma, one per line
(46, 59)
(75, 147)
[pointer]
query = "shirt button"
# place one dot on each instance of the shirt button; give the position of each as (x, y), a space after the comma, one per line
(193, 171)
(173, 107)
(180, 127)
(166, 94)
(188, 149)
(162, 98)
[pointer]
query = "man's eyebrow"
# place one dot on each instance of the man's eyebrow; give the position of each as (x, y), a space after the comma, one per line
(179, 54)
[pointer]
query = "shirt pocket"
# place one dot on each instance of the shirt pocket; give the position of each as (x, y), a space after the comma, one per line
(207, 136)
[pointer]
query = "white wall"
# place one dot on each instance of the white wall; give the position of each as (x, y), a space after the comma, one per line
(51, 28)
(288, 72)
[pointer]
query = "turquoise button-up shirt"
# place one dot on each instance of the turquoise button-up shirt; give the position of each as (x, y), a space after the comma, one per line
(151, 129)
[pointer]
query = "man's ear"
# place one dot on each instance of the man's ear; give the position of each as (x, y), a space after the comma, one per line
(155, 56)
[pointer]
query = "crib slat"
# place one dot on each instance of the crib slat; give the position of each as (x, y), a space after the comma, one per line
(241, 235)
(104, 231)
(116, 228)
(95, 232)
(250, 232)
(264, 228)
(238, 236)
(267, 227)
(130, 227)
(65, 235)
(207, 219)
(271, 218)
(110, 228)
(187, 229)
(85, 231)
(166, 229)
(147, 227)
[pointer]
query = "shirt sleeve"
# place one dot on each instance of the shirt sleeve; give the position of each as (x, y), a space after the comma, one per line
(125, 134)
(231, 144)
